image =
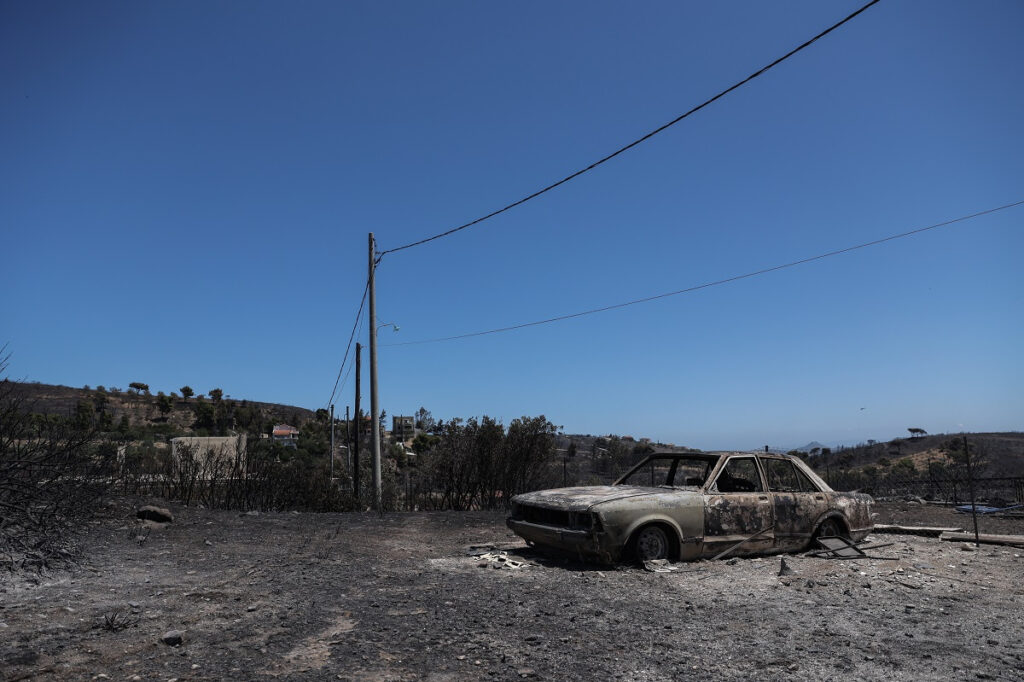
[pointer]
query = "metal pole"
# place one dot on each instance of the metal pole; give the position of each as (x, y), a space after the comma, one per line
(359, 425)
(970, 480)
(332, 445)
(374, 399)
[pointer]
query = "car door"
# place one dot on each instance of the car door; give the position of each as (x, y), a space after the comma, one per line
(796, 501)
(737, 507)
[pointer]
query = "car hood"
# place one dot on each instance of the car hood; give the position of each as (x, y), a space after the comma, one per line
(584, 497)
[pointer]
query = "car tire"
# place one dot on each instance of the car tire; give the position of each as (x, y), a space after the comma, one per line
(651, 543)
(830, 527)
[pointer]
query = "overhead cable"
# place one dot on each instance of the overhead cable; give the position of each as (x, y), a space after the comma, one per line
(707, 285)
(355, 325)
(634, 143)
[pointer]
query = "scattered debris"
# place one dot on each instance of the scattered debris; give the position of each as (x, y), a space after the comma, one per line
(1007, 540)
(834, 547)
(154, 513)
(926, 531)
(784, 568)
(982, 509)
(660, 566)
(742, 542)
(498, 560)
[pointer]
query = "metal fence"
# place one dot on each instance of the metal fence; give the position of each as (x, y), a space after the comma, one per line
(948, 489)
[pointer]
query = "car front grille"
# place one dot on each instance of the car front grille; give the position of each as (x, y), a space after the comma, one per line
(553, 517)
(541, 515)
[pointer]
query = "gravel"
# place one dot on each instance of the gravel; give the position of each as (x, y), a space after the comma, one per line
(399, 597)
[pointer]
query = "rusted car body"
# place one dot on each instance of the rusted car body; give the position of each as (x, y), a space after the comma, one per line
(686, 506)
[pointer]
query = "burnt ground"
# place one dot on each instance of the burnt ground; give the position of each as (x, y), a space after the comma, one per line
(354, 596)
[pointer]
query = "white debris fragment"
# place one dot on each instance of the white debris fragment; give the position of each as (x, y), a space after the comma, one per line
(498, 560)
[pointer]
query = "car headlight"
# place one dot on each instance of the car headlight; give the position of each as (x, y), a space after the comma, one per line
(586, 521)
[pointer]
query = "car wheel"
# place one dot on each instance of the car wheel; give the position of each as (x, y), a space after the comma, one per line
(651, 543)
(830, 528)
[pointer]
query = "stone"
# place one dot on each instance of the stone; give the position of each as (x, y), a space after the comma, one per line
(173, 638)
(154, 513)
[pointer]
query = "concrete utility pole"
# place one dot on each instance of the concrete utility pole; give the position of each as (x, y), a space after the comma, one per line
(359, 425)
(332, 444)
(348, 442)
(374, 402)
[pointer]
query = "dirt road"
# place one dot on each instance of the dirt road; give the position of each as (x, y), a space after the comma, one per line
(357, 597)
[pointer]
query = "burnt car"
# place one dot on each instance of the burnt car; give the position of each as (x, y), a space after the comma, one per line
(692, 505)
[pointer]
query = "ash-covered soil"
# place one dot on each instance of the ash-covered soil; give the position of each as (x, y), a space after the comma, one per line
(358, 597)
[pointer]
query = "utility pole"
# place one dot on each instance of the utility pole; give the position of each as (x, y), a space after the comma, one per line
(332, 444)
(348, 442)
(359, 426)
(374, 399)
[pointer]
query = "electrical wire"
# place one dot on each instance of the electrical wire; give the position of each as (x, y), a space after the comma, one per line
(634, 143)
(355, 325)
(707, 285)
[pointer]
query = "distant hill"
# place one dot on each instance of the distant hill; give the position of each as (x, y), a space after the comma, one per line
(999, 454)
(142, 409)
(813, 445)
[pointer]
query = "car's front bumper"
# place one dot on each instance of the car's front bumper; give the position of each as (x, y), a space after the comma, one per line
(588, 543)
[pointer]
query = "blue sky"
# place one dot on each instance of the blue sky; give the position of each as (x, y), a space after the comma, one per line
(186, 190)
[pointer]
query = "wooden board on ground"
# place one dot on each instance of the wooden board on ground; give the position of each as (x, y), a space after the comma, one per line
(1009, 540)
(927, 531)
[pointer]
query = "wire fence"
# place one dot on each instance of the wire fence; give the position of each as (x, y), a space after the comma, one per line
(948, 489)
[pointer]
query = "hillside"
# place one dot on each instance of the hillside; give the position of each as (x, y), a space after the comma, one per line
(142, 409)
(997, 454)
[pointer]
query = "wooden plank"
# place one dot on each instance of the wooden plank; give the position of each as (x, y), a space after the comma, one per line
(1008, 540)
(927, 531)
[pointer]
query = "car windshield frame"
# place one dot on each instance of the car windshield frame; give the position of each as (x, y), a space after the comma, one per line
(710, 462)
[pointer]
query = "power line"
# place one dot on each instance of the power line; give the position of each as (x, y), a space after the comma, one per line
(707, 285)
(634, 143)
(348, 372)
(359, 317)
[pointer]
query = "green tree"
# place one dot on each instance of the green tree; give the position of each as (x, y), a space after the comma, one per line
(138, 387)
(186, 392)
(423, 442)
(905, 467)
(85, 414)
(205, 416)
(424, 420)
(100, 399)
(163, 403)
(397, 453)
(216, 395)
